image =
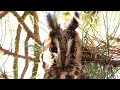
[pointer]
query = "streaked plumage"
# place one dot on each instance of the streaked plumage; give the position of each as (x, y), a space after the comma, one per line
(62, 51)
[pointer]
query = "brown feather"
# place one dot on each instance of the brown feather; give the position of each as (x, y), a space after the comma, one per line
(63, 52)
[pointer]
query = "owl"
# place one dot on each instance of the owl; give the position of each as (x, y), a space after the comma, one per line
(62, 53)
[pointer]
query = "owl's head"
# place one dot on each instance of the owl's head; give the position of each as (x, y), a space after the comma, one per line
(62, 47)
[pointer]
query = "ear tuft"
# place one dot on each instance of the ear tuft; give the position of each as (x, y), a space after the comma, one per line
(52, 21)
(73, 24)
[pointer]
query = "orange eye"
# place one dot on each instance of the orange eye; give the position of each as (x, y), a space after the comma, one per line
(53, 49)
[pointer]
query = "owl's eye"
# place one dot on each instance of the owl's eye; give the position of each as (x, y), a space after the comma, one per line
(53, 49)
(73, 50)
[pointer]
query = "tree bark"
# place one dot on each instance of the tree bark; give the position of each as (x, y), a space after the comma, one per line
(17, 41)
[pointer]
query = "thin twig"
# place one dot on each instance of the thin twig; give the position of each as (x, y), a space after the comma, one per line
(26, 57)
(7, 52)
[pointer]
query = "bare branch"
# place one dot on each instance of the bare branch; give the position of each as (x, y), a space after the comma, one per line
(26, 57)
(17, 41)
(89, 57)
(3, 13)
(36, 27)
(26, 27)
(13, 54)
(37, 48)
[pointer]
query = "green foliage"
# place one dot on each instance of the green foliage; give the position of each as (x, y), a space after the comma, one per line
(97, 71)
(100, 37)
